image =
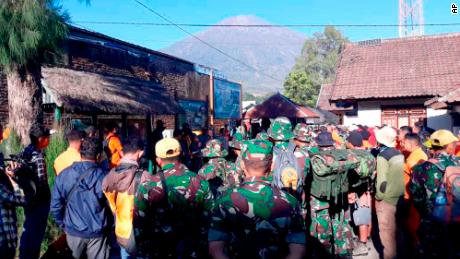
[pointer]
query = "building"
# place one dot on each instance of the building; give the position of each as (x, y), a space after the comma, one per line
(387, 82)
(98, 78)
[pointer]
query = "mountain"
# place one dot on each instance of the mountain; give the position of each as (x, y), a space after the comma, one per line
(272, 51)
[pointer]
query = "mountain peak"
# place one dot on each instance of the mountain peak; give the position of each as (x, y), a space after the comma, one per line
(269, 50)
(243, 19)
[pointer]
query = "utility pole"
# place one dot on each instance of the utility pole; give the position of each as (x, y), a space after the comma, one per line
(411, 22)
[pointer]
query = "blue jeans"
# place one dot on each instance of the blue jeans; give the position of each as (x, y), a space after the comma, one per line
(36, 218)
(124, 254)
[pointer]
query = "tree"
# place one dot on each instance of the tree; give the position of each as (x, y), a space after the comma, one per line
(315, 66)
(28, 30)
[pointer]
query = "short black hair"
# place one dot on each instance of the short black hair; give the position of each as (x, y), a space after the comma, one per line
(412, 137)
(37, 131)
(90, 148)
(406, 128)
(91, 130)
(74, 135)
(132, 146)
(111, 126)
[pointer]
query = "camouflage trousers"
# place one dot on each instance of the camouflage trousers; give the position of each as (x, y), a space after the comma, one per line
(333, 232)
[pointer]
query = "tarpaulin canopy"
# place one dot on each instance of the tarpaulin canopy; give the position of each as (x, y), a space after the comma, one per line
(279, 105)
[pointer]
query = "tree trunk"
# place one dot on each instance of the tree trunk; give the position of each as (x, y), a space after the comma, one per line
(24, 100)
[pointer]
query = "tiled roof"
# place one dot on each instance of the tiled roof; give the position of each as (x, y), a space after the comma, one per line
(406, 67)
(278, 105)
(323, 102)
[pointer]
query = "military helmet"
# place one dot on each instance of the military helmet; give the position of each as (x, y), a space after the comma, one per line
(214, 148)
(281, 129)
(301, 132)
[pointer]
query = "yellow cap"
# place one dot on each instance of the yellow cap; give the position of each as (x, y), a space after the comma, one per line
(167, 147)
(441, 138)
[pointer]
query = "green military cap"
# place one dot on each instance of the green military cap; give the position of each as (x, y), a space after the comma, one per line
(262, 136)
(214, 148)
(257, 149)
(301, 132)
(281, 129)
(237, 141)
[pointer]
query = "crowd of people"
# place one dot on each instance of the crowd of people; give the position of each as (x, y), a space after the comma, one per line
(273, 191)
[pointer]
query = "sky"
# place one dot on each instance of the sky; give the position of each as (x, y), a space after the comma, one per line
(273, 11)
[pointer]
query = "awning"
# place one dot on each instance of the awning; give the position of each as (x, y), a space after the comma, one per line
(279, 105)
(442, 102)
(85, 92)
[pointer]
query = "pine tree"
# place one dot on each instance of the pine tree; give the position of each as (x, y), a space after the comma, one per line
(28, 30)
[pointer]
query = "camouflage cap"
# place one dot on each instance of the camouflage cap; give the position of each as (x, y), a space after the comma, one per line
(257, 149)
(301, 132)
(236, 141)
(281, 129)
(214, 148)
(262, 136)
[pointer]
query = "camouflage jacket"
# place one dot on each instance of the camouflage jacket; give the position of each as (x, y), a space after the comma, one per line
(426, 180)
(224, 171)
(257, 220)
(167, 220)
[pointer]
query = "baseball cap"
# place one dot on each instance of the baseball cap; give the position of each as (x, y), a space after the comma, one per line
(441, 138)
(167, 148)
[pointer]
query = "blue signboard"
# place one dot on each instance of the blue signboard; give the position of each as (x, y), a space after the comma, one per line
(196, 113)
(227, 99)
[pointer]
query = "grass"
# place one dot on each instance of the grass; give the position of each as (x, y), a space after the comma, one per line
(57, 145)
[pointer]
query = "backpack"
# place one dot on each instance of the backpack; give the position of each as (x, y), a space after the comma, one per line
(447, 201)
(330, 173)
(287, 173)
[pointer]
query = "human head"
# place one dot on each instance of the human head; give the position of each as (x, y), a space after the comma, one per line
(411, 142)
(91, 149)
(237, 142)
(167, 151)
(354, 140)
(214, 148)
(39, 136)
(403, 131)
(257, 157)
(133, 149)
(160, 124)
(324, 140)
(301, 136)
(386, 136)
(281, 129)
(111, 127)
(74, 138)
(443, 141)
(91, 132)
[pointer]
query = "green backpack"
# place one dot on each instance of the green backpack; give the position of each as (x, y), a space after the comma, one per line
(367, 164)
(330, 173)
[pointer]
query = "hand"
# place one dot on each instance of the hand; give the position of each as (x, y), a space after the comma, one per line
(11, 168)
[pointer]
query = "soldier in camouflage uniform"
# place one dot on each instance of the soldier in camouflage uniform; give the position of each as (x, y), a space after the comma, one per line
(220, 173)
(302, 153)
(330, 223)
(257, 220)
(172, 208)
(281, 132)
(424, 185)
(237, 145)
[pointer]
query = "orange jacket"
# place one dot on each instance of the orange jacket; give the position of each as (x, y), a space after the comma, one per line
(115, 148)
(415, 157)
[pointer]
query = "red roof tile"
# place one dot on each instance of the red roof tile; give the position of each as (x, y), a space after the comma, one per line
(278, 105)
(323, 102)
(442, 101)
(417, 66)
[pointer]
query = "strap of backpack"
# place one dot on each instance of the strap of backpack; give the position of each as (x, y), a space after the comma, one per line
(165, 189)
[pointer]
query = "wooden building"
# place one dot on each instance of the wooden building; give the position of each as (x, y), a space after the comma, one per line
(387, 82)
